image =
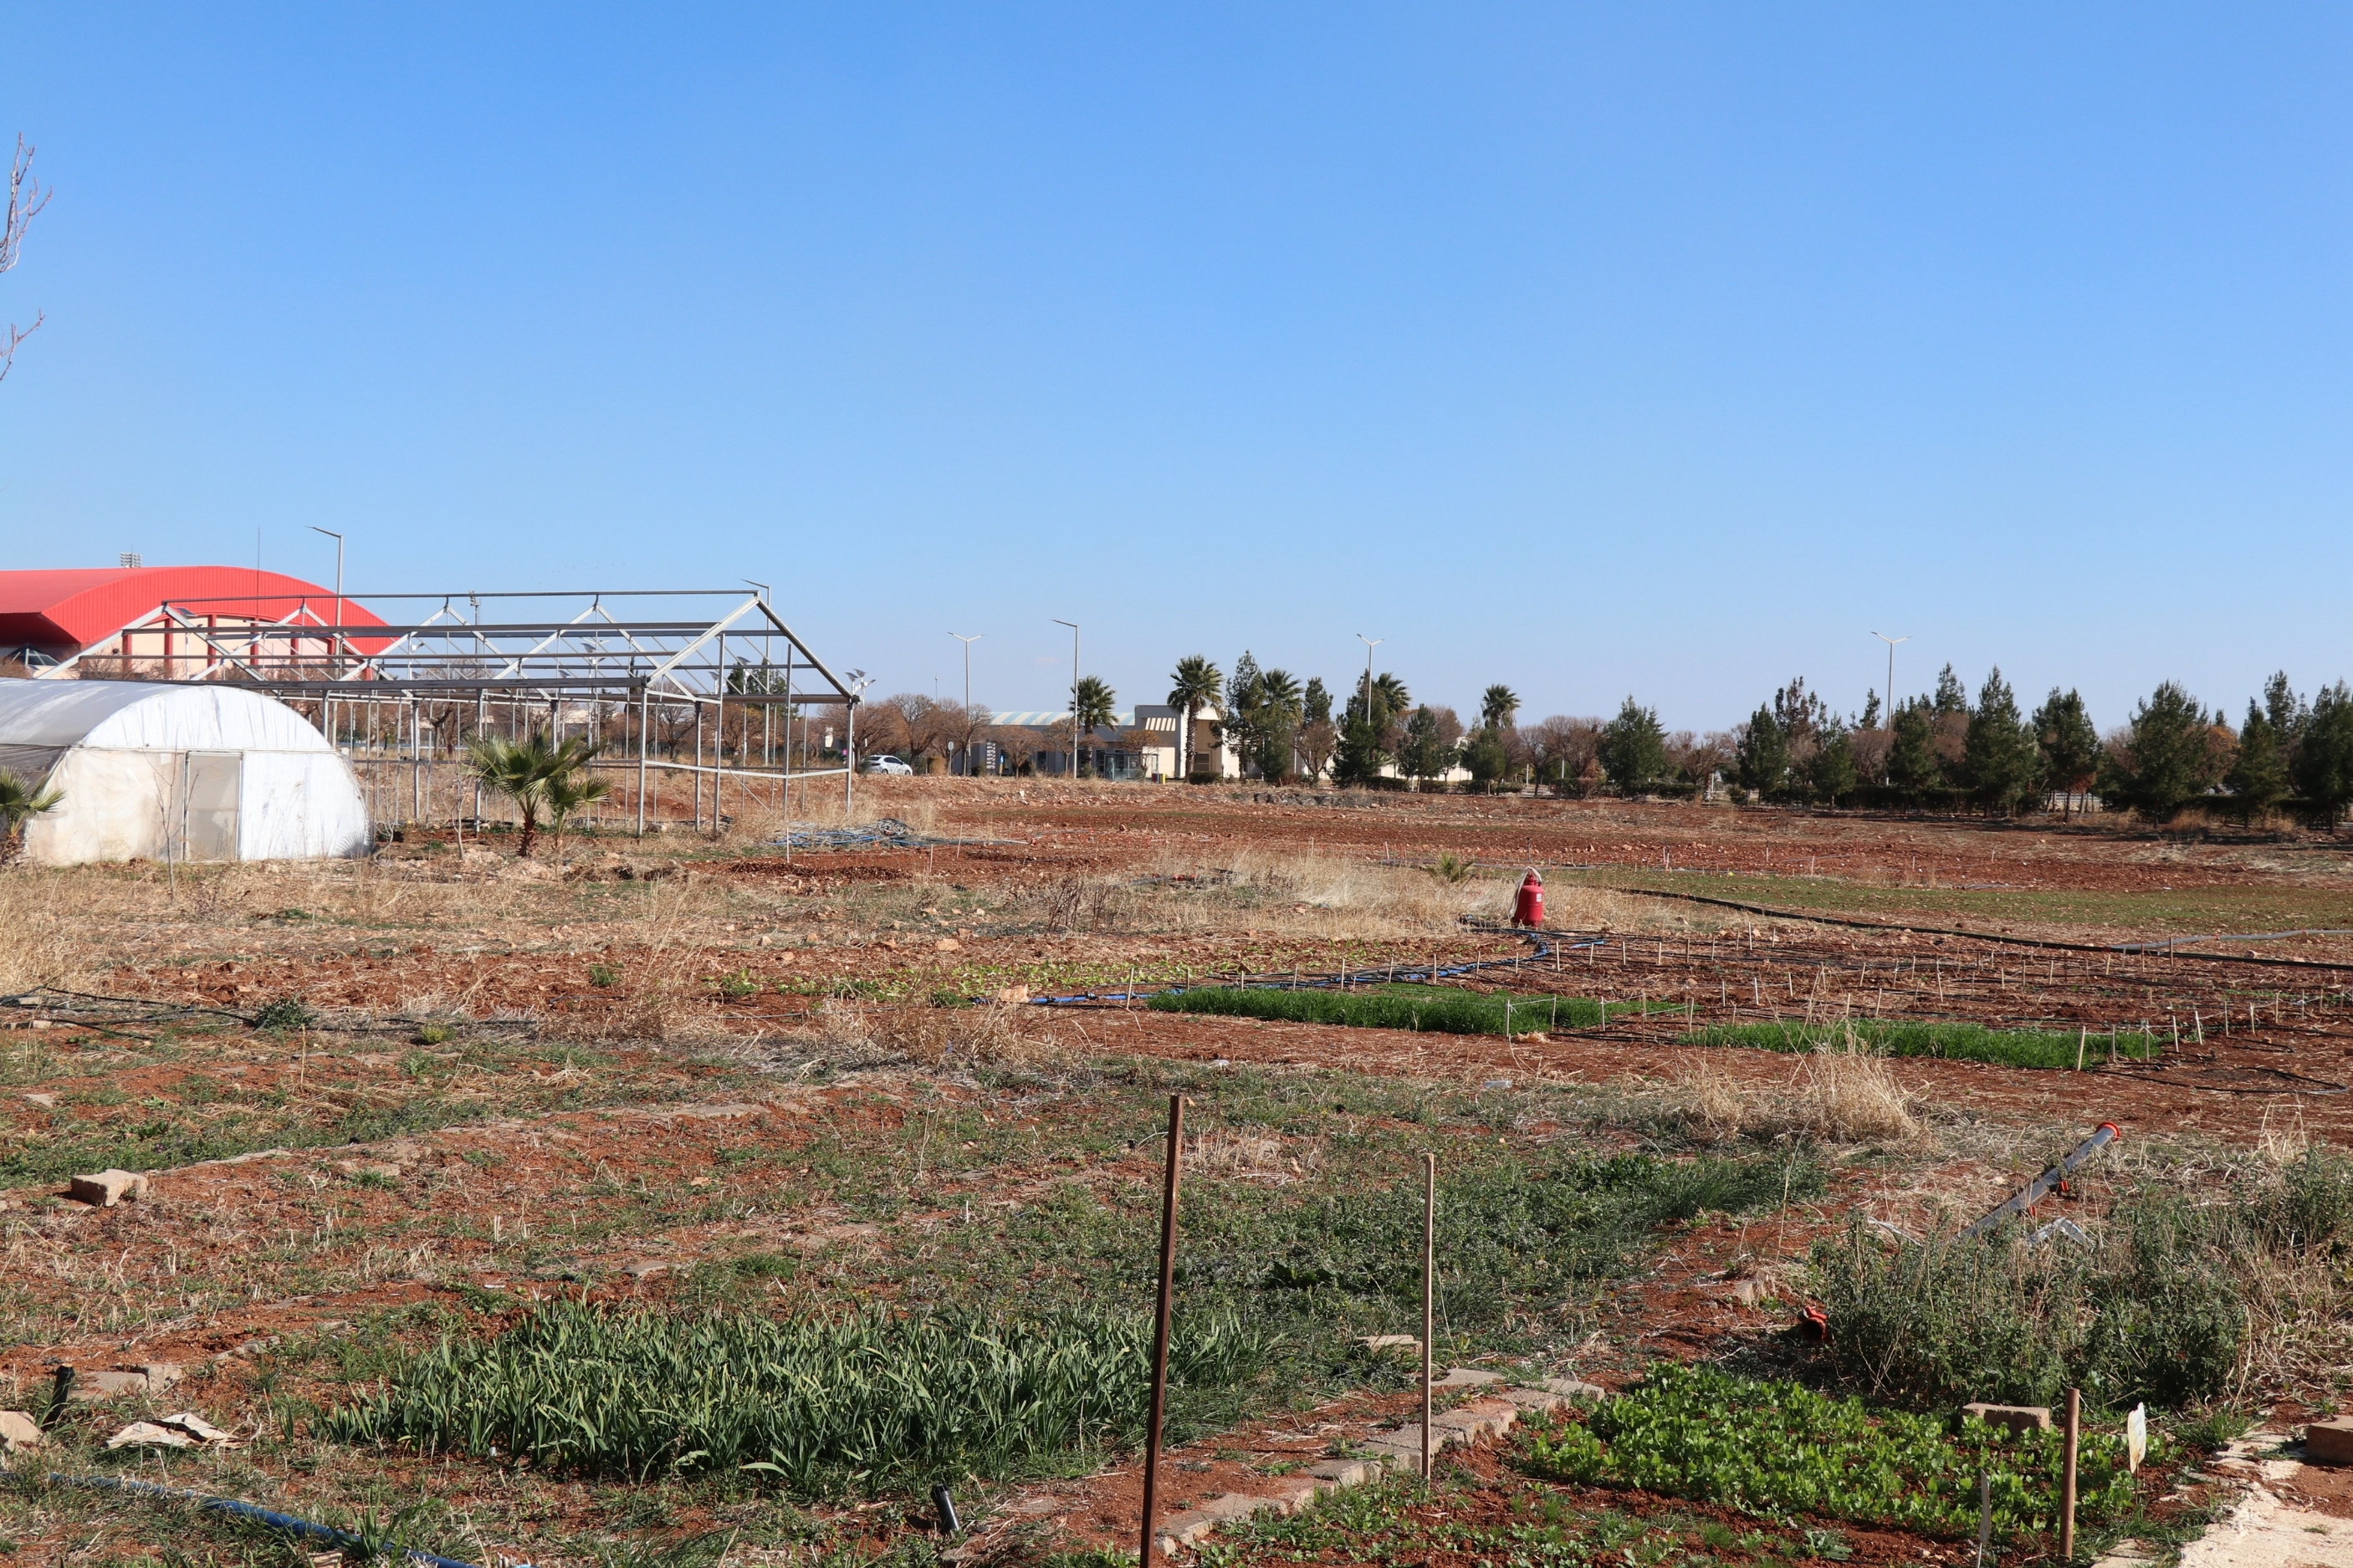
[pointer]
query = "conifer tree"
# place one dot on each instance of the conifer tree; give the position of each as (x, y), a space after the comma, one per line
(1998, 757)
(2258, 775)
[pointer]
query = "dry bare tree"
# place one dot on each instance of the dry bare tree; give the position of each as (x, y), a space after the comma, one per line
(26, 198)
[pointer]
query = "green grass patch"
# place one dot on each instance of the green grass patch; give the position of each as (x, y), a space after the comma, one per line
(1777, 1448)
(1954, 1041)
(1433, 1008)
(817, 1406)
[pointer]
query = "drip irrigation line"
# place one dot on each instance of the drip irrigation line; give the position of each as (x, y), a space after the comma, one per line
(1335, 980)
(2171, 943)
(308, 1529)
(2049, 943)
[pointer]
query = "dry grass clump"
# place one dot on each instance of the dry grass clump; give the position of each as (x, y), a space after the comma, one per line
(36, 945)
(1243, 1155)
(931, 1037)
(1836, 1096)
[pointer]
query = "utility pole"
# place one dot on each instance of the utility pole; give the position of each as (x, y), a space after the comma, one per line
(1891, 642)
(339, 585)
(1075, 694)
(967, 642)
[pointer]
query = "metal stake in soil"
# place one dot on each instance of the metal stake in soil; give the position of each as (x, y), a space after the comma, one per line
(1160, 1325)
(1428, 1293)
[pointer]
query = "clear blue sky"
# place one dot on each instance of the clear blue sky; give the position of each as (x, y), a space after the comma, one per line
(1661, 349)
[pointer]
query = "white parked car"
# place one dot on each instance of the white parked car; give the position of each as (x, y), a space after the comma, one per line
(886, 764)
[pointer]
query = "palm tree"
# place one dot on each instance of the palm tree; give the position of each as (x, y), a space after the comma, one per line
(1197, 684)
(18, 801)
(566, 793)
(1091, 705)
(525, 772)
(1497, 708)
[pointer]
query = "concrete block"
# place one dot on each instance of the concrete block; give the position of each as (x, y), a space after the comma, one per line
(18, 1432)
(1535, 1401)
(2329, 1442)
(1570, 1388)
(161, 1374)
(1479, 1418)
(1185, 1528)
(1344, 1472)
(107, 1188)
(2017, 1417)
(1292, 1493)
(1466, 1377)
(1377, 1344)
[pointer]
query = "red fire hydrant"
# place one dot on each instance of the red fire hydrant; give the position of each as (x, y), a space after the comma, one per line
(1527, 910)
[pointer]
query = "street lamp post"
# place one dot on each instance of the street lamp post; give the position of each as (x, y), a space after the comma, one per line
(1074, 693)
(967, 642)
(1370, 644)
(1888, 772)
(338, 538)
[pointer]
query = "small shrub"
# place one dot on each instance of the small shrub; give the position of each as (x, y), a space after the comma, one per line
(738, 985)
(2310, 1207)
(1451, 869)
(433, 1034)
(603, 974)
(2150, 1314)
(285, 1013)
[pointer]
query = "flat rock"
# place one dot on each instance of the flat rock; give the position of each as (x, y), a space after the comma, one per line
(2329, 1442)
(107, 1188)
(2016, 1417)
(1570, 1388)
(1377, 1344)
(18, 1432)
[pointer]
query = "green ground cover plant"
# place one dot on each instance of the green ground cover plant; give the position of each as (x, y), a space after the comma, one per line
(1777, 1449)
(1436, 1009)
(817, 1406)
(2033, 1049)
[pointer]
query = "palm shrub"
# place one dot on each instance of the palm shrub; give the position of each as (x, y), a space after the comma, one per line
(527, 772)
(19, 803)
(566, 793)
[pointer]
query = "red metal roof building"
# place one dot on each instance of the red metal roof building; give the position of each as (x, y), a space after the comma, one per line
(47, 618)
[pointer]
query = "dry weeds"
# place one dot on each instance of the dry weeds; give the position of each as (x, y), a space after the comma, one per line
(1845, 1096)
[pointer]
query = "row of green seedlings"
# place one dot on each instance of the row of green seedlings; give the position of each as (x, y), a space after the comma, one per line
(883, 1400)
(1443, 1011)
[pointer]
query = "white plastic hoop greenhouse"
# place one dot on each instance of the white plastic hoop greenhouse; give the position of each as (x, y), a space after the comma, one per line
(158, 772)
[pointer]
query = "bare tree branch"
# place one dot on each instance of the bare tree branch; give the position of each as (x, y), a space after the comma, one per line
(27, 196)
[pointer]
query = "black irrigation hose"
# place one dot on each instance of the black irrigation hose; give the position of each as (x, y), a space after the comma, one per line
(2047, 943)
(1424, 973)
(308, 1529)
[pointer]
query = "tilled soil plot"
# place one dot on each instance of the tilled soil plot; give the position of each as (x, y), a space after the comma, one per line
(694, 1076)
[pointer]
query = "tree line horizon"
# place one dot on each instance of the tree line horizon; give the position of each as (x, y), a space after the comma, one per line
(1943, 747)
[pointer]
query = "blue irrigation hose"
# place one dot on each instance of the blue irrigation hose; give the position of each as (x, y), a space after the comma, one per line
(247, 1511)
